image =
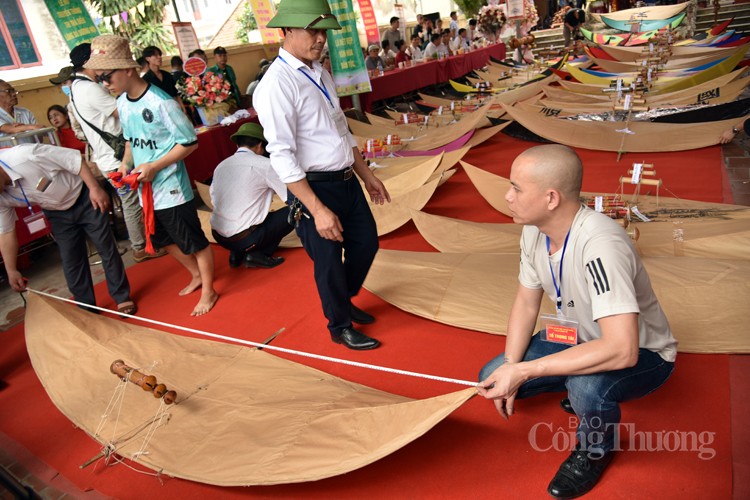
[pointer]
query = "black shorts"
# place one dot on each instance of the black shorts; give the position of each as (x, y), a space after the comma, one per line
(179, 226)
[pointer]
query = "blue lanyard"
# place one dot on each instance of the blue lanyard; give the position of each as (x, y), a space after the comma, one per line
(554, 281)
(20, 187)
(321, 88)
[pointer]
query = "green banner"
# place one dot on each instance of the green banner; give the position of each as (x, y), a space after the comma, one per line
(347, 61)
(73, 21)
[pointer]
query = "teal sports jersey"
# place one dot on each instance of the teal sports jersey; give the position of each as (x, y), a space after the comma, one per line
(154, 124)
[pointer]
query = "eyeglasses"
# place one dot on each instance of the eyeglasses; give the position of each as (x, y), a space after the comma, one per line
(106, 77)
(10, 91)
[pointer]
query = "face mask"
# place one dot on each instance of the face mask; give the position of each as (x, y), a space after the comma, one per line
(66, 90)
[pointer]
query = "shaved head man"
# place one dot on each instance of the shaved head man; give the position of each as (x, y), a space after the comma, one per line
(609, 340)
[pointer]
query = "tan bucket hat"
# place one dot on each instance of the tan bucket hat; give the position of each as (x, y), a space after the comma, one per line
(110, 52)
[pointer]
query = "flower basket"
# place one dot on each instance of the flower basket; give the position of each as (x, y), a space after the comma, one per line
(491, 20)
(205, 91)
(212, 115)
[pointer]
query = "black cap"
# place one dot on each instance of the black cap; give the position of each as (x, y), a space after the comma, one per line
(80, 54)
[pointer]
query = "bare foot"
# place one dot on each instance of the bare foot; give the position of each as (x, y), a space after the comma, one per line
(206, 303)
(194, 284)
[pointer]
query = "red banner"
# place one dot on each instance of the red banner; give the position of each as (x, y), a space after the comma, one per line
(371, 24)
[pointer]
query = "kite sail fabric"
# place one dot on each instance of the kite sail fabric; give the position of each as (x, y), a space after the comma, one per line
(493, 188)
(411, 185)
(704, 299)
(388, 167)
(649, 13)
(483, 134)
(472, 291)
(716, 95)
(622, 137)
(644, 25)
(709, 238)
(242, 416)
(393, 215)
(695, 253)
(719, 82)
(680, 63)
(449, 235)
(437, 137)
(685, 79)
(632, 54)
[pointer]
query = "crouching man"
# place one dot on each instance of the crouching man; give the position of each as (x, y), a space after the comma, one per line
(241, 193)
(609, 340)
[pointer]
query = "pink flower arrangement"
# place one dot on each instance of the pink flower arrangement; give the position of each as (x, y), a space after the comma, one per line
(491, 19)
(205, 90)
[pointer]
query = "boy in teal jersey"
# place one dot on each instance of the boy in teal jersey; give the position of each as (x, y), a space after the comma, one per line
(159, 138)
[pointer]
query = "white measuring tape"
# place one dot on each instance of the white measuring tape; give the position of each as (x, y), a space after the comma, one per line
(269, 347)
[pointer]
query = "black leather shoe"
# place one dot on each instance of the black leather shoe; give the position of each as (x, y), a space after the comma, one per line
(235, 259)
(567, 407)
(260, 260)
(354, 339)
(361, 317)
(578, 474)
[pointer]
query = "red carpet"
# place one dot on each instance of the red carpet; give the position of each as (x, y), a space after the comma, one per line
(473, 453)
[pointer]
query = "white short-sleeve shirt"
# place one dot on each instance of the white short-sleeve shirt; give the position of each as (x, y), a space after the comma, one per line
(602, 276)
(27, 164)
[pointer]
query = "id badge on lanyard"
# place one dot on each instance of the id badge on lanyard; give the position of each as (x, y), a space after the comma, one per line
(338, 117)
(558, 327)
(35, 223)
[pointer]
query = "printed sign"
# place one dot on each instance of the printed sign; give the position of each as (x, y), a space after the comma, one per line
(73, 21)
(187, 41)
(347, 62)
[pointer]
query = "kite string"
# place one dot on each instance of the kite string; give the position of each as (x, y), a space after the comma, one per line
(116, 400)
(321, 357)
(161, 413)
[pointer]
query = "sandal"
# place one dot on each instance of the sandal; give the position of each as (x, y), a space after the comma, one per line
(128, 307)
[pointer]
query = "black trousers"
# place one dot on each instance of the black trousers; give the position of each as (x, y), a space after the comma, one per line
(70, 228)
(266, 237)
(339, 280)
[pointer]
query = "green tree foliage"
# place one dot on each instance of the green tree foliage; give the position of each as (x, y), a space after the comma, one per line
(144, 27)
(246, 23)
(470, 7)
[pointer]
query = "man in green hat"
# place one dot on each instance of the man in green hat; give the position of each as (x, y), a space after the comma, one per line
(315, 155)
(241, 194)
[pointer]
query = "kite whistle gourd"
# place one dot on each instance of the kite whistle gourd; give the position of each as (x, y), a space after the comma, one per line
(146, 382)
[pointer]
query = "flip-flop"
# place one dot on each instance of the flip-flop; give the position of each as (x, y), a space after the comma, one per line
(128, 307)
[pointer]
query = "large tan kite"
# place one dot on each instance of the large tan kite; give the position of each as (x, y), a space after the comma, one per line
(242, 416)
(695, 252)
(632, 137)
(704, 299)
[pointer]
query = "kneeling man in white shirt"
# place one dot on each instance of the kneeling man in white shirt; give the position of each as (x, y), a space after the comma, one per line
(241, 193)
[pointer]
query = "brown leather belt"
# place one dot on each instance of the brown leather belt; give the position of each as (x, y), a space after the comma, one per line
(339, 175)
(242, 234)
